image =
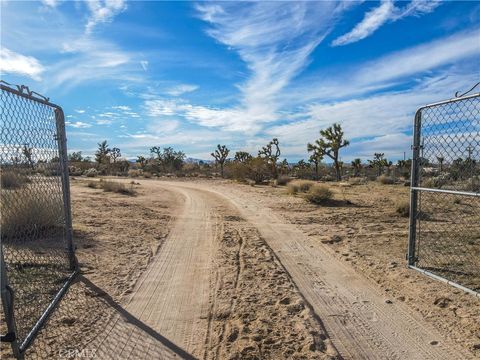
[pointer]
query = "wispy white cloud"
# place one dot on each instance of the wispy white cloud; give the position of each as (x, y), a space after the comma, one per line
(386, 12)
(51, 3)
(78, 124)
(390, 70)
(79, 111)
(181, 89)
(122, 107)
(373, 122)
(15, 63)
(103, 12)
(274, 42)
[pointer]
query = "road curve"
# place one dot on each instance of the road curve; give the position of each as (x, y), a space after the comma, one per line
(359, 321)
(167, 315)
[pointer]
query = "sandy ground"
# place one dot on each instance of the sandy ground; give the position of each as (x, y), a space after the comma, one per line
(218, 270)
(371, 238)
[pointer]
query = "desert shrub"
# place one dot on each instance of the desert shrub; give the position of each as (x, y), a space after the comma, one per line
(92, 184)
(22, 211)
(283, 180)
(92, 172)
(250, 182)
(297, 186)
(385, 180)
(134, 173)
(403, 208)
(74, 171)
(318, 194)
(147, 175)
(435, 181)
(12, 180)
(357, 181)
(116, 187)
(473, 184)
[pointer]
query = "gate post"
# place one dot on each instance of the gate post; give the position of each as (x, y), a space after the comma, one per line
(7, 302)
(413, 188)
(62, 151)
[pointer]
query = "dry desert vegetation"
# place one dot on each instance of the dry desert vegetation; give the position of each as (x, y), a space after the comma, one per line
(216, 269)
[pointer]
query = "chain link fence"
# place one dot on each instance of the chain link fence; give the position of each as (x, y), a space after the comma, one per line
(445, 198)
(36, 236)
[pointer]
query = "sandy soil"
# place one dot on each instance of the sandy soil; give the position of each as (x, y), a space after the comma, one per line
(371, 238)
(218, 270)
(116, 237)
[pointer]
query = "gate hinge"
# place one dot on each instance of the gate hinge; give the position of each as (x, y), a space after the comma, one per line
(8, 337)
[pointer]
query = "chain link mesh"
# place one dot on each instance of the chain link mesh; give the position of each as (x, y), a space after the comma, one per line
(33, 220)
(448, 219)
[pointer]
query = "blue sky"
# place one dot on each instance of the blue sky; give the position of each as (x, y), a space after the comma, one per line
(194, 74)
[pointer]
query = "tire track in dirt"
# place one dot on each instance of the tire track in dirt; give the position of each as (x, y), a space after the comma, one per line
(360, 322)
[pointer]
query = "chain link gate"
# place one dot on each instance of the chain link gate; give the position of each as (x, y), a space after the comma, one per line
(37, 254)
(444, 238)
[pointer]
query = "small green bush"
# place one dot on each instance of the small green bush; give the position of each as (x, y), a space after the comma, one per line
(318, 194)
(403, 208)
(386, 180)
(296, 186)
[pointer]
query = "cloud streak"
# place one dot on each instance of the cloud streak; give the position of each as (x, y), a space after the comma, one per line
(274, 42)
(386, 12)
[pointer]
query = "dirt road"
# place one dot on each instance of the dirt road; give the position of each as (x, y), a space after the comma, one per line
(171, 310)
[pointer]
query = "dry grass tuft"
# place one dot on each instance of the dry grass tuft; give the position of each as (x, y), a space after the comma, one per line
(403, 208)
(299, 186)
(319, 194)
(22, 211)
(283, 180)
(12, 180)
(117, 187)
(113, 186)
(386, 180)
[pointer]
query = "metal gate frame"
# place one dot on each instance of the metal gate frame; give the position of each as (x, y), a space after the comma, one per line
(415, 189)
(7, 293)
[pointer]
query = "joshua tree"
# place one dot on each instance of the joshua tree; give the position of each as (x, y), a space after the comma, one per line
(242, 157)
(357, 166)
(379, 162)
(168, 158)
(316, 158)
(102, 156)
(270, 155)
(220, 156)
(115, 154)
(141, 161)
(330, 142)
(27, 152)
(75, 156)
(440, 160)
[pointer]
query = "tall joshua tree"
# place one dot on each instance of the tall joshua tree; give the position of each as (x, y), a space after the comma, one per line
(271, 154)
(220, 156)
(330, 142)
(316, 157)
